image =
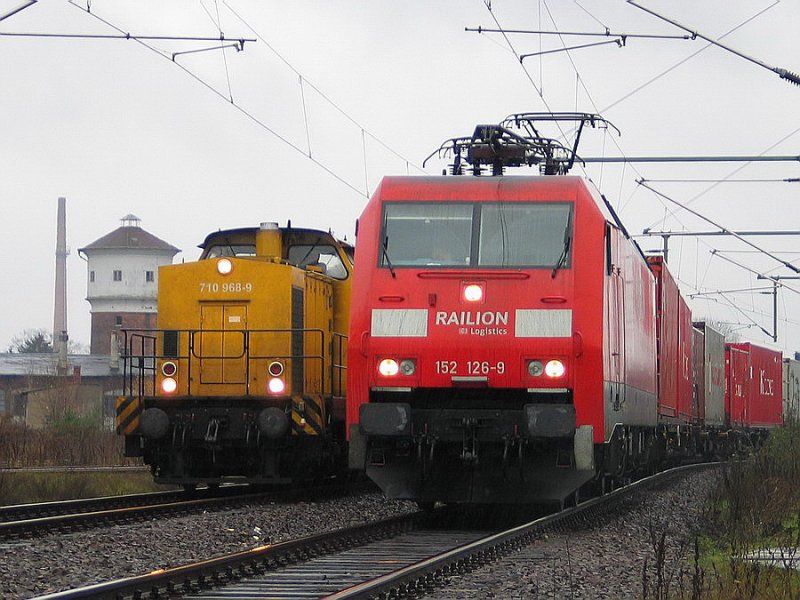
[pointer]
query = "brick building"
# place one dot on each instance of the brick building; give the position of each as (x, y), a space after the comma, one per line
(36, 391)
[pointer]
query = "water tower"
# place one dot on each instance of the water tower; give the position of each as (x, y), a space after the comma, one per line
(123, 280)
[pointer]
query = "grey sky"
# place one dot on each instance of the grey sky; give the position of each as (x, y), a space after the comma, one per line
(118, 129)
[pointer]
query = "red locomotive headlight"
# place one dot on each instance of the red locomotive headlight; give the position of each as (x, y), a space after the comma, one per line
(554, 368)
(472, 292)
(388, 367)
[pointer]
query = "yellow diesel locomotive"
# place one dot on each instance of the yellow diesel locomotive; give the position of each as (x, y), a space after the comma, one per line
(244, 378)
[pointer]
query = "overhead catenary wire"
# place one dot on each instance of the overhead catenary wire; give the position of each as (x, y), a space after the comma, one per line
(787, 264)
(222, 47)
(731, 174)
(787, 180)
(688, 58)
(320, 92)
(746, 316)
(224, 58)
(238, 107)
(777, 281)
(19, 8)
(606, 33)
(593, 17)
(783, 73)
(734, 291)
(710, 294)
(124, 35)
(691, 159)
(617, 41)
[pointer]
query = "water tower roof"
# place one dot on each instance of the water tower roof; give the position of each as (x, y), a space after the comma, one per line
(130, 236)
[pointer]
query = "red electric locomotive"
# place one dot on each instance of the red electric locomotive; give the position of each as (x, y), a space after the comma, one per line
(502, 341)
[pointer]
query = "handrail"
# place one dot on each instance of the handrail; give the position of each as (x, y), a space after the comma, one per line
(141, 354)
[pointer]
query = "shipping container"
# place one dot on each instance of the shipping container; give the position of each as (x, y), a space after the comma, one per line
(791, 390)
(736, 373)
(713, 386)
(698, 372)
(754, 394)
(674, 335)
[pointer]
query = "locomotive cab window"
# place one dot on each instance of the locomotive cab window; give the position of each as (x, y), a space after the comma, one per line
(427, 234)
(231, 250)
(323, 256)
(487, 234)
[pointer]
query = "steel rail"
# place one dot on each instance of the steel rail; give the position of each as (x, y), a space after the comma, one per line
(19, 512)
(203, 574)
(100, 518)
(425, 575)
(88, 518)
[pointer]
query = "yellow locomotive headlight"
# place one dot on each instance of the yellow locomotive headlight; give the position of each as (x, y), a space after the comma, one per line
(276, 385)
(169, 385)
(224, 266)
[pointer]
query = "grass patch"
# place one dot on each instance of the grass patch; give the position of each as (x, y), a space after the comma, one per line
(755, 507)
(21, 488)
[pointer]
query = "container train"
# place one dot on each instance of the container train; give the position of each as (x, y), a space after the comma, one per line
(244, 378)
(509, 342)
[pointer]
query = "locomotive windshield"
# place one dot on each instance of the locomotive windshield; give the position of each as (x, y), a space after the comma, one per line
(218, 250)
(318, 255)
(486, 234)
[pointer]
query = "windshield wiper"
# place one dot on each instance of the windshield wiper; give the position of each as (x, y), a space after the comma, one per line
(385, 247)
(567, 242)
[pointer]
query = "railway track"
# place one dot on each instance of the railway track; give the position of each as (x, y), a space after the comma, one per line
(403, 556)
(29, 520)
(35, 510)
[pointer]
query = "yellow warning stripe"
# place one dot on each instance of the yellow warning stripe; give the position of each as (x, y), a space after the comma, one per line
(129, 409)
(307, 415)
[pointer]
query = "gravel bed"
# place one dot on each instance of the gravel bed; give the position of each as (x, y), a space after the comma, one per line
(606, 560)
(57, 562)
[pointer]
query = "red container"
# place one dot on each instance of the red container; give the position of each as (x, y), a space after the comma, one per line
(753, 390)
(674, 333)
